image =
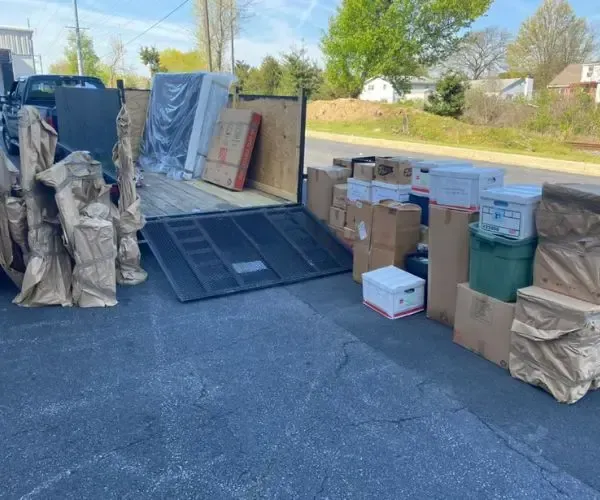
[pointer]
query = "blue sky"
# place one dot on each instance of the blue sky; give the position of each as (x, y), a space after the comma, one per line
(274, 26)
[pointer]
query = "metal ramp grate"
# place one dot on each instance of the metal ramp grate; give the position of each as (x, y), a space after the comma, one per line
(208, 255)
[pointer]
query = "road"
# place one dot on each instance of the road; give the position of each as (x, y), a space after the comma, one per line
(290, 392)
(319, 153)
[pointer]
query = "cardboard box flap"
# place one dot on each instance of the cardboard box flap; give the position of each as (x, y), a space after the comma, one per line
(543, 315)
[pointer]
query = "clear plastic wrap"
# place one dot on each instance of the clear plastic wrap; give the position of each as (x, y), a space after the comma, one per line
(182, 113)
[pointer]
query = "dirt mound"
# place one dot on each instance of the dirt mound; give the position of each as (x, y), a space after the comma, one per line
(342, 110)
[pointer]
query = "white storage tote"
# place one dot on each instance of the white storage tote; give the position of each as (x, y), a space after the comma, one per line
(385, 191)
(393, 293)
(420, 178)
(359, 190)
(460, 187)
(510, 210)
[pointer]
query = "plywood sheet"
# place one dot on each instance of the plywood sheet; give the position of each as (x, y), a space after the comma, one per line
(137, 106)
(274, 167)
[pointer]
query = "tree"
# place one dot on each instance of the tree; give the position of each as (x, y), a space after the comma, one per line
(115, 67)
(395, 39)
(481, 53)
(242, 73)
(68, 65)
(551, 39)
(299, 72)
(266, 78)
(151, 57)
(225, 18)
(449, 97)
(176, 61)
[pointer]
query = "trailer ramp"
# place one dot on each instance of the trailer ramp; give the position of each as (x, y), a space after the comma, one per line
(210, 255)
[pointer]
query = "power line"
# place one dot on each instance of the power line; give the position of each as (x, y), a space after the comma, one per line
(154, 25)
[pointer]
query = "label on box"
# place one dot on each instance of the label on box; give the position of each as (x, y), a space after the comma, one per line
(362, 230)
(481, 310)
(501, 221)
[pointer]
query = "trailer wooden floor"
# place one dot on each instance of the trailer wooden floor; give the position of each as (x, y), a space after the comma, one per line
(162, 196)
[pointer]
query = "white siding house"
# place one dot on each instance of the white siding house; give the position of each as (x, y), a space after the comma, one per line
(380, 90)
(508, 88)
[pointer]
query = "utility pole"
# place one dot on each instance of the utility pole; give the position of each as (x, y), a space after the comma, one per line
(207, 29)
(31, 48)
(78, 39)
(232, 27)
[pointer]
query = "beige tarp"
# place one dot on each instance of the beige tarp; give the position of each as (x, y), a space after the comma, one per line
(556, 343)
(567, 260)
(47, 280)
(129, 270)
(94, 276)
(17, 223)
(78, 181)
(7, 256)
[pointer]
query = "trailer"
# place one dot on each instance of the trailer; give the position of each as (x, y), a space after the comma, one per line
(209, 240)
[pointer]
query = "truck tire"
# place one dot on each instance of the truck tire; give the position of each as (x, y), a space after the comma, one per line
(11, 149)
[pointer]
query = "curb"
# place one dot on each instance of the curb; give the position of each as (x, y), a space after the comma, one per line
(564, 166)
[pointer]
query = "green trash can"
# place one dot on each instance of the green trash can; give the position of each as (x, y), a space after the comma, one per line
(499, 266)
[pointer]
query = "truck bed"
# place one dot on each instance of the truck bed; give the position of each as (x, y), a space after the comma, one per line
(162, 196)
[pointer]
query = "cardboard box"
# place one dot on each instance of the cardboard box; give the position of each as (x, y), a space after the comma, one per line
(396, 225)
(320, 188)
(359, 217)
(364, 171)
(340, 196)
(337, 217)
(360, 263)
(393, 170)
(483, 325)
(349, 234)
(231, 148)
(449, 243)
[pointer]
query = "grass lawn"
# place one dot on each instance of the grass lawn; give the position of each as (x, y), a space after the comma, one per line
(426, 128)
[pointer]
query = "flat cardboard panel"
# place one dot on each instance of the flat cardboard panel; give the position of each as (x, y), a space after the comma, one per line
(483, 325)
(231, 148)
(274, 167)
(449, 241)
(136, 102)
(337, 217)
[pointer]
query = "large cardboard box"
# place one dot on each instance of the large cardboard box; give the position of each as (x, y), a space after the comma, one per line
(359, 216)
(449, 243)
(320, 188)
(396, 233)
(340, 196)
(231, 148)
(393, 170)
(483, 325)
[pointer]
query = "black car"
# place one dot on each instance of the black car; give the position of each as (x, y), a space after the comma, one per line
(38, 91)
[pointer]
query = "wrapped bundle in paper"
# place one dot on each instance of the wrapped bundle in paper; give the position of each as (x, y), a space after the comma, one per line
(17, 224)
(94, 276)
(48, 276)
(77, 181)
(9, 261)
(129, 270)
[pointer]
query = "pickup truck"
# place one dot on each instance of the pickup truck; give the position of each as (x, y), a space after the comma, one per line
(38, 91)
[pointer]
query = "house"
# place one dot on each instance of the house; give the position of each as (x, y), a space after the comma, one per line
(578, 77)
(508, 88)
(380, 90)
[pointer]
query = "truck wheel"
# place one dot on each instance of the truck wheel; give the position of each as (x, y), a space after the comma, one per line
(11, 149)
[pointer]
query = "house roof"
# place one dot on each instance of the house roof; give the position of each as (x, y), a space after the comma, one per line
(495, 84)
(571, 74)
(412, 80)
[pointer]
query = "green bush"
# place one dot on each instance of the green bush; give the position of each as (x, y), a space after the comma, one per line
(449, 97)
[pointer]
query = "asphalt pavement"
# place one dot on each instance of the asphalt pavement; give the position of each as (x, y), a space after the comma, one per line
(291, 392)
